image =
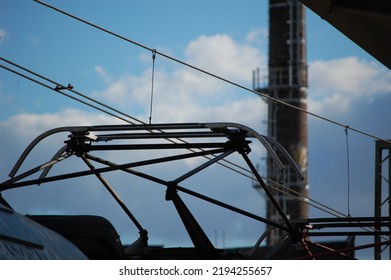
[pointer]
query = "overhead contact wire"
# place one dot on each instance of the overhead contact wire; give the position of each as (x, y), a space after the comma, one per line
(60, 92)
(69, 89)
(58, 85)
(314, 203)
(320, 207)
(111, 114)
(209, 73)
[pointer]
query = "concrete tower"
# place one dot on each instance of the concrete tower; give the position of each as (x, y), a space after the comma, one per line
(287, 81)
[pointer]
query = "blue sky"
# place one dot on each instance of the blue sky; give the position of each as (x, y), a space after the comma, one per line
(227, 38)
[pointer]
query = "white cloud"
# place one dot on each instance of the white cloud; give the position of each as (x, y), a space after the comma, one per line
(20, 130)
(259, 37)
(23, 128)
(221, 55)
(106, 77)
(185, 94)
(336, 85)
(130, 93)
(3, 35)
(228, 111)
(35, 41)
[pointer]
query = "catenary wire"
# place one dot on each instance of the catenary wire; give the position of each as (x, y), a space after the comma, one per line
(275, 185)
(300, 197)
(272, 184)
(211, 74)
(134, 120)
(60, 92)
(274, 100)
(71, 90)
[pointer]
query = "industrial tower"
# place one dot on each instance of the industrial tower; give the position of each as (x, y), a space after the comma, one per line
(287, 82)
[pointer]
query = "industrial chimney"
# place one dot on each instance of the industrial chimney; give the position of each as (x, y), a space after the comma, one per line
(287, 81)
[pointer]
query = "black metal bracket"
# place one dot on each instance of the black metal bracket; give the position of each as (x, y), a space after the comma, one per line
(78, 142)
(200, 240)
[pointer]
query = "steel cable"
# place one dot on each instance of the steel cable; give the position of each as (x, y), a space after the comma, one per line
(264, 95)
(273, 184)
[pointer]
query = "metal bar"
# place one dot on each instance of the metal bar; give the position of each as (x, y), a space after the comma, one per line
(39, 138)
(330, 250)
(195, 194)
(222, 127)
(347, 249)
(352, 224)
(115, 196)
(389, 204)
(152, 146)
(382, 145)
(389, 194)
(148, 127)
(251, 133)
(208, 199)
(10, 184)
(347, 219)
(128, 170)
(306, 248)
(200, 196)
(349, 233)
(265, 141)
(73, 129)
(232, 208)
(259, 241)
(288, 157)
(35, 170)
(279, 249)
(199, 238)
(218, 128)
(268, 192)
(165, 135)
(58, 157)
(203, 166)
(378, 197)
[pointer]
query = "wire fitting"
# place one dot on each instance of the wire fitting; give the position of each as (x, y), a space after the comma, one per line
(154, 54)
(152, 84)
(346, 129)
(61, 87)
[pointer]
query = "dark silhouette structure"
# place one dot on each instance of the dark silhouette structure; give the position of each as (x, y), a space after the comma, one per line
(287, 82)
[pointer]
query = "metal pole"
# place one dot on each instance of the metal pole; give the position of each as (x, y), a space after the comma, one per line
(115, 196)
(377, 210)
